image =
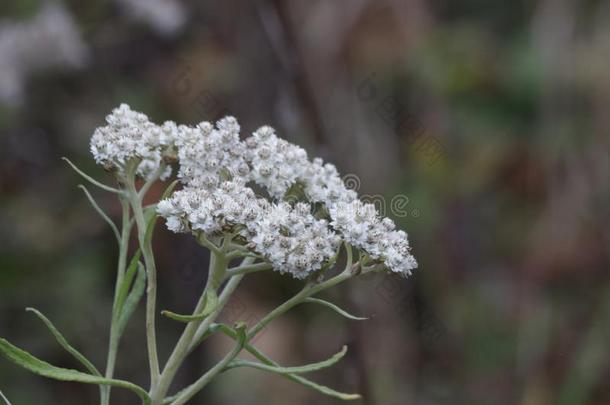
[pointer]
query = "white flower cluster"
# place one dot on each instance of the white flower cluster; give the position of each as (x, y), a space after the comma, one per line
(276, 164)
(216, 167)
(212, 210)
(208, 154)
(293, 240)
(324, 185)
(290, 238)
(127, 135)
(362, 227)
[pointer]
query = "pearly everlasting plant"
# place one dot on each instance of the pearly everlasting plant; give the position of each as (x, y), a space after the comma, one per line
(259, 201)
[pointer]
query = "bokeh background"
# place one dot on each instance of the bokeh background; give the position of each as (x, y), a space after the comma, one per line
(482, 127)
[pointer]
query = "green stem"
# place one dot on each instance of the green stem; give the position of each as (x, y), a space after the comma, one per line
(153, 178)
(252, 268)
(114, 336)
(151, 271)
(222, 301)
(309, 290)
(193, 389)
(218, 265)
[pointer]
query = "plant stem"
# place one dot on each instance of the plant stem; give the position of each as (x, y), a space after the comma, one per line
(193, 332)
(218, 265)
(251, 268)
(151, 272)
(222, 301)
(114, 337)
(309, 290)
(193, 389)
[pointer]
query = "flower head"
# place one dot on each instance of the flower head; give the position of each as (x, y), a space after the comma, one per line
(276, 164)
(290, 238)
(324, 185)
(362, 227)
(130, 135)
(207, 153)
(293, 240)
(217, 170)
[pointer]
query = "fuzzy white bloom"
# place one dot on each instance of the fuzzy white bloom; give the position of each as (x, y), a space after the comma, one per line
(276, 164)
(129, 134)
(212, 210)
(290, 238)
(208, 154)
(362, 227)
(293, 240)
(323, 184)
(216, 168)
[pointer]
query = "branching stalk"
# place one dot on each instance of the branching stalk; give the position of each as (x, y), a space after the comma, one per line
(193, 389)
(309, 290)
(122, 262)
(252, 268)
(135, 200)
(194, 330)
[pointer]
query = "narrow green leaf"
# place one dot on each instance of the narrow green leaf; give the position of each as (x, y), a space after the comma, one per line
(100, 211)
(180, 317)
(293, 377)
(130, 273)
(308, 368)
(211, 302)
(334, 308)
(64, 343)
(134, 297)
(91, 179)
(37, 366)
(322, 389)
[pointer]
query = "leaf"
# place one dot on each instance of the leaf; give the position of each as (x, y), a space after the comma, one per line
(91, 179)
(100, 211)
(335, 308)
(64, 343)
(128, 279)
(134, 297)
(37, 366)
(211, 302)
(308, 368)
(293, 377)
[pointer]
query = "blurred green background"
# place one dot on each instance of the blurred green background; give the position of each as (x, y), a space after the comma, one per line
(481, 127)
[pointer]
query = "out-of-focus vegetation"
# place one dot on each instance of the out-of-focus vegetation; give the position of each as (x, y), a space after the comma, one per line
(490, 117)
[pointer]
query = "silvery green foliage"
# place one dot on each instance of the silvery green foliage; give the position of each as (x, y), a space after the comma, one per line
(217, 169)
